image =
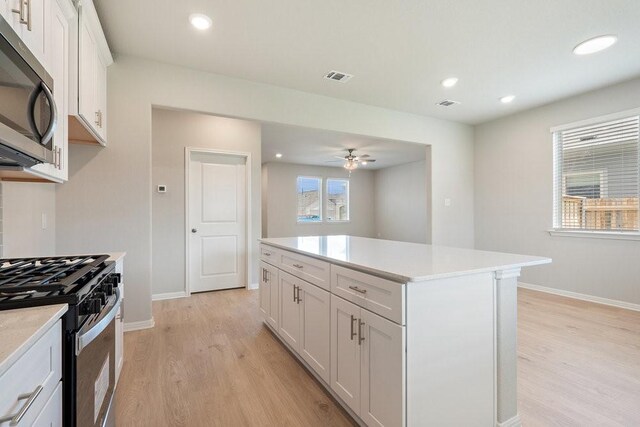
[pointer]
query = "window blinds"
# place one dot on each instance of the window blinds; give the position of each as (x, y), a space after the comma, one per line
(597, 176)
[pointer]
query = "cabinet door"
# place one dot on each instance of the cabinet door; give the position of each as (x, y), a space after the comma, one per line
(101, 96)
(289, 325)
(58, 40)
(382, 371)
(315, 321)
(51, 414)
(87, 102)
(265, 292)
(345, 352)
(34, 38)
(274, 309)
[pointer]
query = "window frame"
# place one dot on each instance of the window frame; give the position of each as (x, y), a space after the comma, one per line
(347, 180)
(557, 229)
(320, 200)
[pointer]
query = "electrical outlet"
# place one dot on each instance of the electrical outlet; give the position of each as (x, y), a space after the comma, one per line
(447, 202)
(162, 188)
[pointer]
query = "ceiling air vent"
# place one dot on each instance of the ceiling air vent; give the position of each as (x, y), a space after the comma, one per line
(338, 76)
(447, 103)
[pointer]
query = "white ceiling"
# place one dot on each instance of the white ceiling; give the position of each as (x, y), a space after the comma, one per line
(318, 147)
(399, 51)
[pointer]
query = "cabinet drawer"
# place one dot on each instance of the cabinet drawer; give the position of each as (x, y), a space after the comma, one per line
(269, 254)
(36, 374)
(310, 269)
(380, 296)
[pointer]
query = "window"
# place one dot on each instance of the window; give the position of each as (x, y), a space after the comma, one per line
(597, 176)
(309, 199)
(337, 200)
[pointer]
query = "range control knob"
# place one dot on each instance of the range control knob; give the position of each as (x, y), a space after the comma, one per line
(107, 288)
(101, 297)
(114, 279)
(90, 306)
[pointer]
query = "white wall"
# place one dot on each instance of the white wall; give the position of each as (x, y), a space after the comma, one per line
(400, 202)
(513, 206)
(173, 131)
(106, 205)
(24, 205)
(281, 201)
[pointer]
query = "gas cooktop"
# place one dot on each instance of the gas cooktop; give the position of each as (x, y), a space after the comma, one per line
(49, 280)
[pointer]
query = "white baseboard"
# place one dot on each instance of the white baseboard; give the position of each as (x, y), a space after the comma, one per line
(252, 286)
(168, 295)
(511, 422)
(136, 326)
(583, 297)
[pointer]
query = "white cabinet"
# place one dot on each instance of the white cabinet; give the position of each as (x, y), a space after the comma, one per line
(269, 294)
(60, 14)
(32, 381)
(367, 363)
(29, 19)
(120, 321)
(305, 321)
(93, 58)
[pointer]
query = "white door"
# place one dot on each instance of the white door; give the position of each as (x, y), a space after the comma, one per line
(315, 338)
(345, 352)
(382, 371)
(289, 322)
(217, 224)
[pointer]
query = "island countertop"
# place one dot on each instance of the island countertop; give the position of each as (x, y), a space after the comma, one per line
(402, 261)
(21, 327)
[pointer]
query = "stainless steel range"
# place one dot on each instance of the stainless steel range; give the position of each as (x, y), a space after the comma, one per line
(89, 285)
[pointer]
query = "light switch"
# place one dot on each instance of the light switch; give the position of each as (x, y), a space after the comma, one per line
(447, 202)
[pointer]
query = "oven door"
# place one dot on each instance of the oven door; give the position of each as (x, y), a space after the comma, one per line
(96, 369)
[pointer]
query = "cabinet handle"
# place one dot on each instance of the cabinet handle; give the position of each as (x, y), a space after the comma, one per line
(360, 334)
(20, 11)
(17, 417)
(60, 158)
(297, 265)
(264, 276)
(294, 293)
(357, 289)
(298, 295)
(100, 111)
(97, 120)
(55, 157)
(266, 253)
(353, 329)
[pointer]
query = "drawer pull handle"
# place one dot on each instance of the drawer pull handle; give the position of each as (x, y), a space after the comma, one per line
(357, 289)
(353, 332)
(360, 334)
(267, 254)
(297, 265)
(17, 417)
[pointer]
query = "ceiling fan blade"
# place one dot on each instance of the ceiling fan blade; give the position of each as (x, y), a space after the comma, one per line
(371, 160)
(333, 161)
(340, 157)
(364, 156)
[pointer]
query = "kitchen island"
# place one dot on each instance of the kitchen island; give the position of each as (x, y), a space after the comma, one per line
(402, 334)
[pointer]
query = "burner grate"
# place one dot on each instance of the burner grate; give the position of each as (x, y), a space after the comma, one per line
(31, 277)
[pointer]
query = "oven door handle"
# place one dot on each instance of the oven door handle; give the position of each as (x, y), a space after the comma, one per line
(84, 339)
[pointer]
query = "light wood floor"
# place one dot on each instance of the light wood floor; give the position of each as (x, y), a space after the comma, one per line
(210, 362)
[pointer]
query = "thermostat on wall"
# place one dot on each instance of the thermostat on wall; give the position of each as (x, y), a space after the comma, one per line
(162, 188)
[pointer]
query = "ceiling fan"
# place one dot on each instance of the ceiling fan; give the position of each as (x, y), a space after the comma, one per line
(351, 161)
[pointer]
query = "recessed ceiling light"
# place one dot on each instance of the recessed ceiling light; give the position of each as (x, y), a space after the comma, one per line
(595, 44)
(200, 21)
(507, 99)
(279, 155)
(449, 82)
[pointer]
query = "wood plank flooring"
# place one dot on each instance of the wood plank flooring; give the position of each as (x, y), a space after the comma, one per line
(209, 361)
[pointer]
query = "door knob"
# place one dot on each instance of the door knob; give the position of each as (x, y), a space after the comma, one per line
(194, 230)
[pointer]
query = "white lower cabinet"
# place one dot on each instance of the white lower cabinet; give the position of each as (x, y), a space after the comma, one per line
(51, 414)
(305, 321)
(269, 294)
(367, 363)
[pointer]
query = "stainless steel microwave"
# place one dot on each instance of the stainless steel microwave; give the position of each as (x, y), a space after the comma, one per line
(28, 114)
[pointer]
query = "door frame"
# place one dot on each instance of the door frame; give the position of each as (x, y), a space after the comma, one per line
(248, 215)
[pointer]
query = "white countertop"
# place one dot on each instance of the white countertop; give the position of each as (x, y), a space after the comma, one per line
(115, 256)
(22, 327)
(402, 261)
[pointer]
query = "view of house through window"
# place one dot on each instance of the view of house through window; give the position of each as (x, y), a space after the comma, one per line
(309, 199)
(596, 176)
(337, 200)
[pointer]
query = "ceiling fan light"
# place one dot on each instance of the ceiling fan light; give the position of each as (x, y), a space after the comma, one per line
(351, 165)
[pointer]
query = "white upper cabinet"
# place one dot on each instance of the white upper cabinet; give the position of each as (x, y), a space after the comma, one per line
(29, 20)
(93, 58)
(59, 16)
